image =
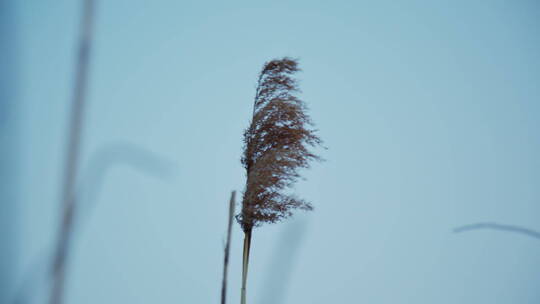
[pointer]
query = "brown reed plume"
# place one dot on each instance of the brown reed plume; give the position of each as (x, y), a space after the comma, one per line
(276, 144)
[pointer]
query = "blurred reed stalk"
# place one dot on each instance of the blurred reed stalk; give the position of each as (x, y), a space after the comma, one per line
(73, 152)
(227, 249)
(501, 227)
(90, 183)
(281, 264)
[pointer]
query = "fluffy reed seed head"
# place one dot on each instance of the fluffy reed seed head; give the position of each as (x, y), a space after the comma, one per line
(276, 145)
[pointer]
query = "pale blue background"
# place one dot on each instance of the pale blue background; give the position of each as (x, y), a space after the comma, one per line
(430, 110)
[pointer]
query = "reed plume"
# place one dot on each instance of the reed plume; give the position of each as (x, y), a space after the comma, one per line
(276, 145)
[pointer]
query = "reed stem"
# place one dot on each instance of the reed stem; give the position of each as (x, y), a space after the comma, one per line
(69, 205)
(227, 249)
(247, 246)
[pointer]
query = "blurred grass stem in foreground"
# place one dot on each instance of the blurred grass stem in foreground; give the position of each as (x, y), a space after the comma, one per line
(69, 203)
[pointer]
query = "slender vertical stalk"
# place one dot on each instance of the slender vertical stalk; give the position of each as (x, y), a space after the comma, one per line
(227, 249)
(245, 261)
(73, 151)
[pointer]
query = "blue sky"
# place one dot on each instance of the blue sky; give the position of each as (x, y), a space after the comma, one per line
(430, 111)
